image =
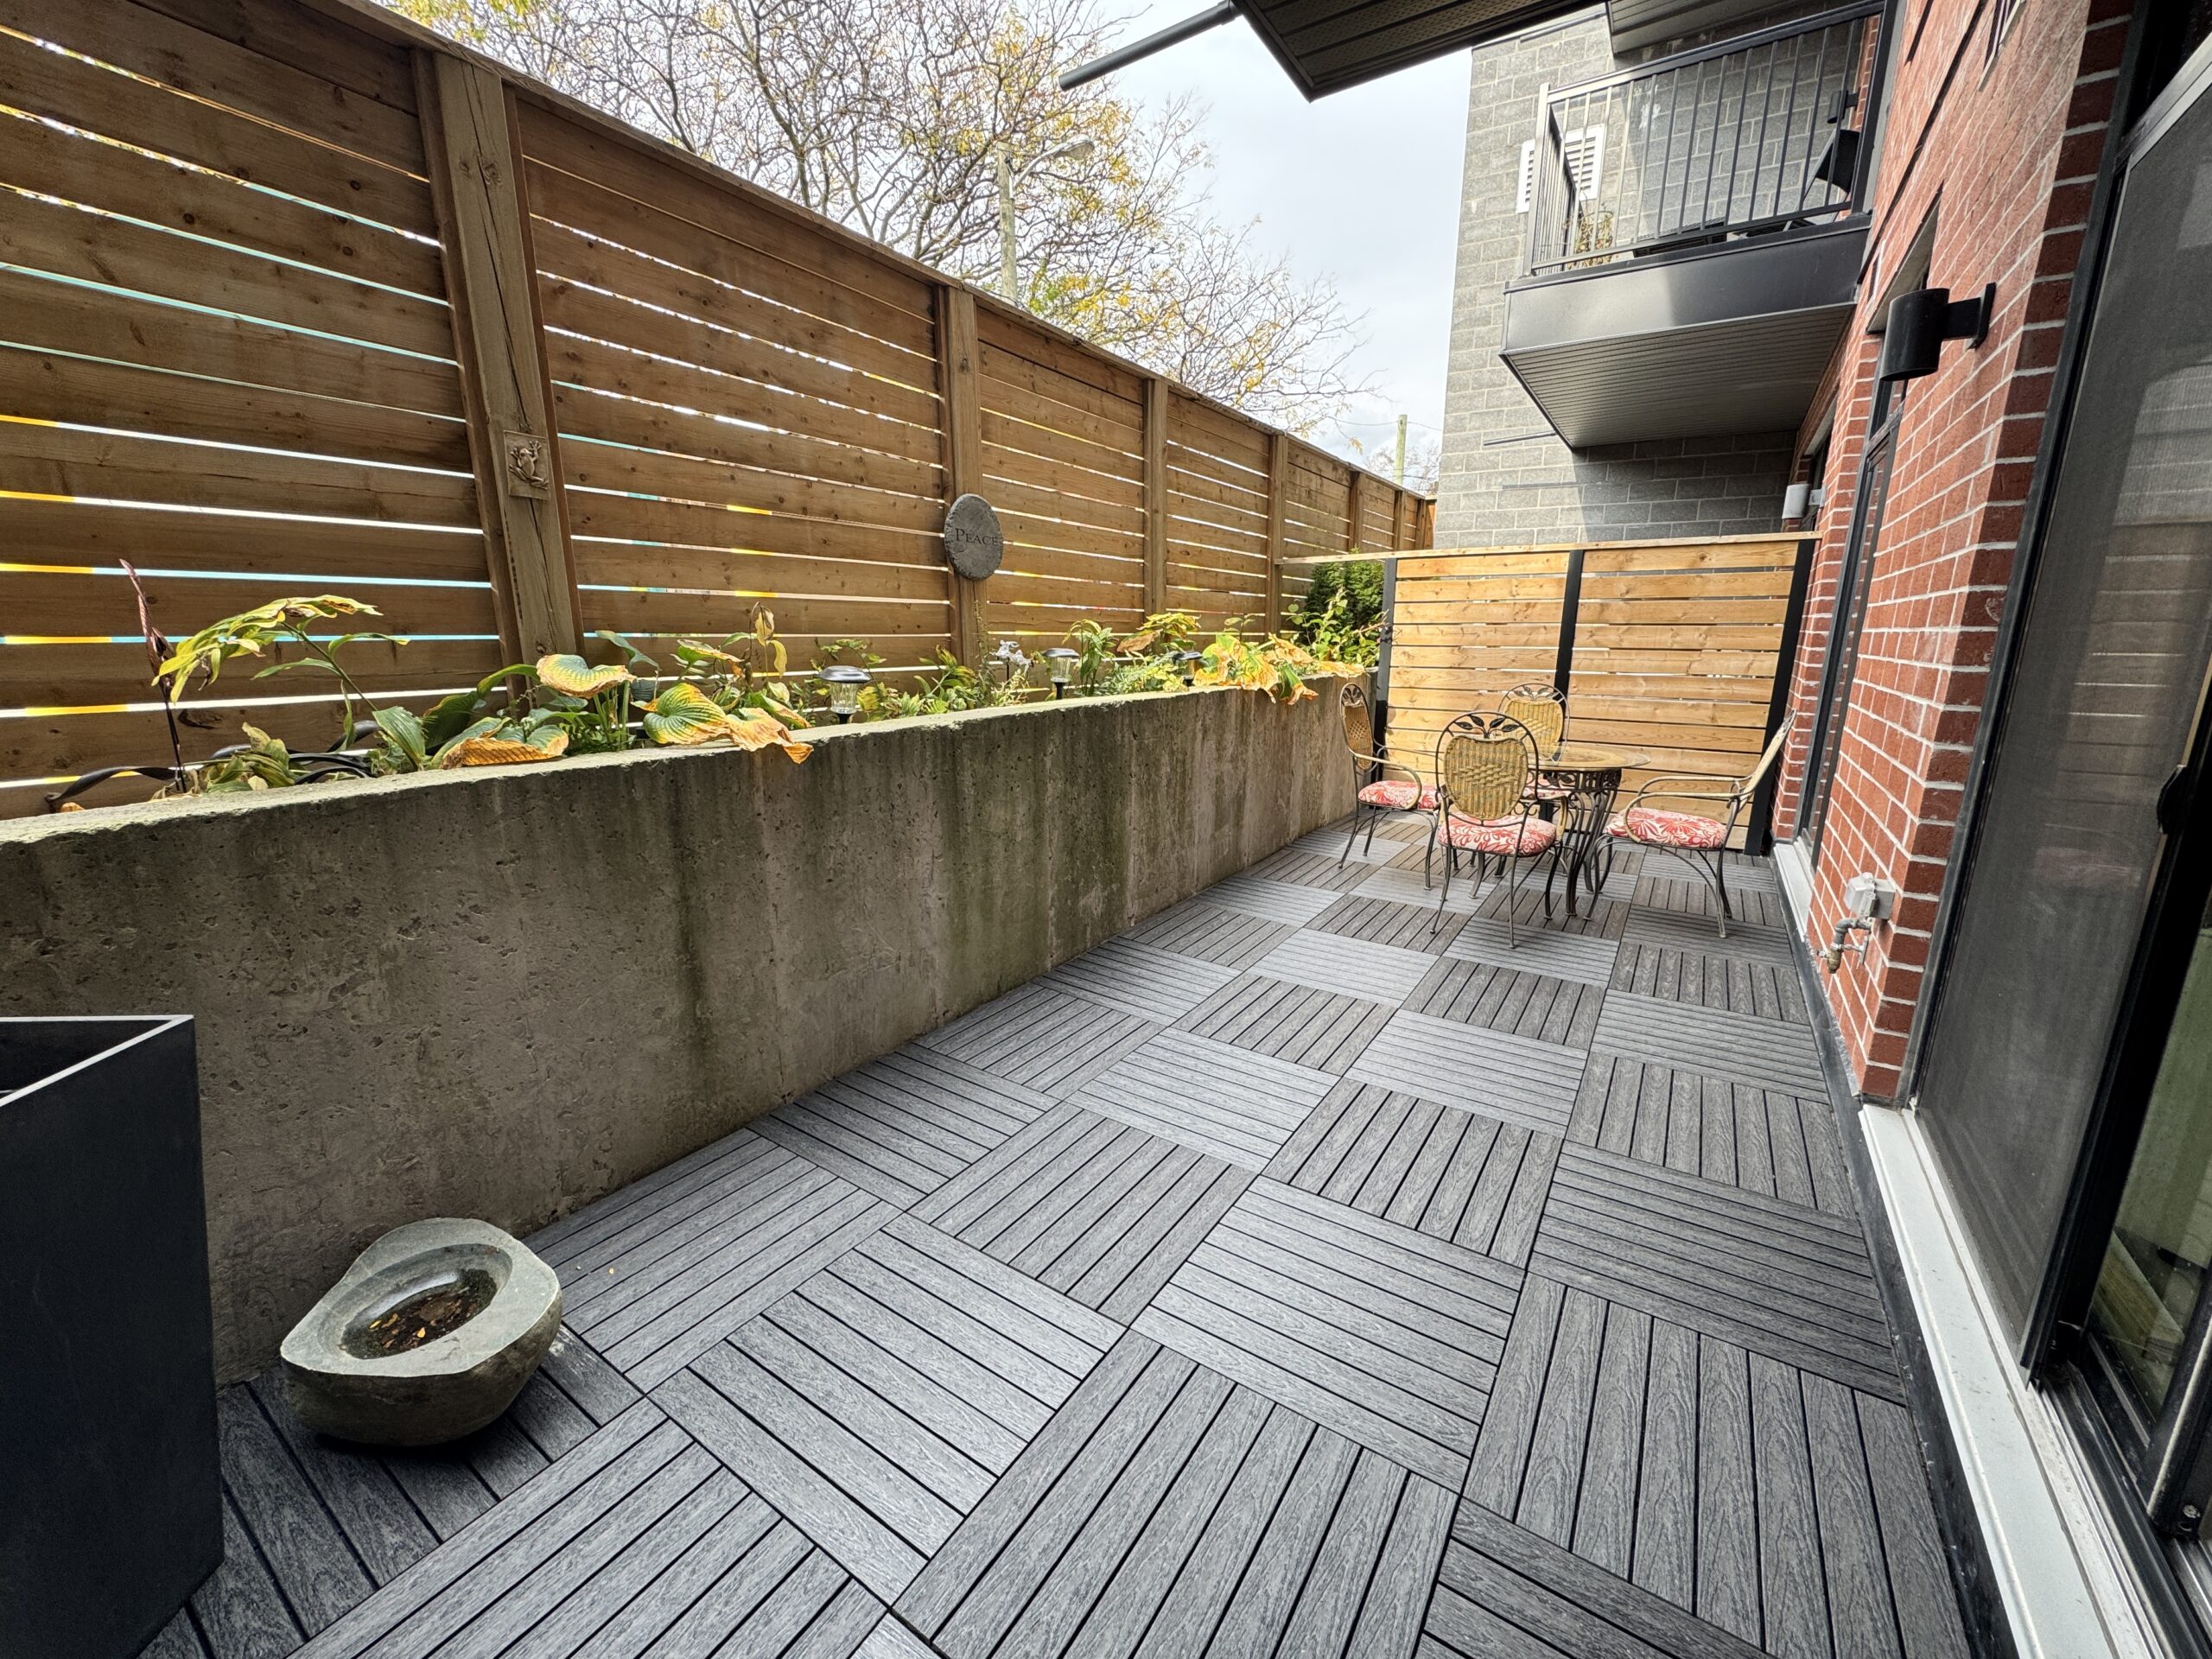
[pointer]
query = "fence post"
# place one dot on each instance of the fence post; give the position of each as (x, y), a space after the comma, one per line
(1155, 494)
(1570, 604)
(476, 186)
(1278, 501)
(963, 414)
(1354, 500)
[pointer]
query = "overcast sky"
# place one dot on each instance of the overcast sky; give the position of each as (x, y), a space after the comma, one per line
(1361, 186)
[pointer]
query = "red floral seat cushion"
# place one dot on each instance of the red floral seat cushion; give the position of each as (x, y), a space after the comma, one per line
(1397, 797)
(1550, 790)
(1512, 837)
(1660, 828)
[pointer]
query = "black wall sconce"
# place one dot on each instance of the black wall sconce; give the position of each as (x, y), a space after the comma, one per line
(1922, 321)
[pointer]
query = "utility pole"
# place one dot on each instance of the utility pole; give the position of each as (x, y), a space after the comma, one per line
(1075, 149)
(1008, 276)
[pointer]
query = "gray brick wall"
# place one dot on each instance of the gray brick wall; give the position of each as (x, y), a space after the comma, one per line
(1506, 478)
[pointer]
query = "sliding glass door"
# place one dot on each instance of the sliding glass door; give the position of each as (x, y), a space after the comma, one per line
(2071, 859)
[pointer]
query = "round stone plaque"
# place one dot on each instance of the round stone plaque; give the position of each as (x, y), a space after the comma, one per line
(973, 543)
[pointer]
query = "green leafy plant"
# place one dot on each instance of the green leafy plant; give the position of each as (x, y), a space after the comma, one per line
(1340, 616)
(1096, 648)
(282, 622)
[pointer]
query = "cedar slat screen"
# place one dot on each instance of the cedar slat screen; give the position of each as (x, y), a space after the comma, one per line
(227, 355)
(1672, 655)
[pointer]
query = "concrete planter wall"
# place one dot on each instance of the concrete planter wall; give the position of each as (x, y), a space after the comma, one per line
(504, 994)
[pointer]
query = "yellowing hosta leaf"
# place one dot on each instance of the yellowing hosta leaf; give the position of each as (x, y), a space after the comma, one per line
(489, 751)
(572, 676)
(684, 715)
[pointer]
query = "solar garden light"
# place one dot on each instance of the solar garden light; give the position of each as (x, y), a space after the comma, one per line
(1059, 663)
(845, 682)
(1187, 662)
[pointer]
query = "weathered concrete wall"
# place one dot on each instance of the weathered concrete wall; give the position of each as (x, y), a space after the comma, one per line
(504, 994)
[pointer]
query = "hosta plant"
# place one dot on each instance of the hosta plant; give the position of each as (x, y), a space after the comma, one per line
(260, 632)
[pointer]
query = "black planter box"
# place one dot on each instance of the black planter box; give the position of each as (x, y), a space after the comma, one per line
(110, 1492)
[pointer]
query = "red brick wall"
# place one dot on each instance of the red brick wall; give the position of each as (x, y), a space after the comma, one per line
(2004, 150)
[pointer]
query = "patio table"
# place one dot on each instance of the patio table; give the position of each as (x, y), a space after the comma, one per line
(1591, 772)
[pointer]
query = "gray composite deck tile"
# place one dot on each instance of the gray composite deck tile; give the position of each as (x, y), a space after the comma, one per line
(1078, 1327)
(1503, 1593)
(1753, 896)
(900, 1126)
(1759, 1140)
(1601, 917)
(1398, 1360)
(1170, 1512)
(1277, 902)
(1092, 1207)
(1354, 967)
(1580, 958)
(1453, 1174)
(641, 1538)
(875, 1404)
(1311, 868)
(1516, 1000)
(1790, 1283)
(1390, 921)
(331, 1522)
(1141, 980)
(1766, 1053)
(1516, 1078)
(1330, 844)
(1230, 1104)
(1708, 979)
(1325, 1031)
(1732, 1484)
(1754, 939)
(1041, 1038)
(1401, 884)
(672, 1282)
(1232, 938)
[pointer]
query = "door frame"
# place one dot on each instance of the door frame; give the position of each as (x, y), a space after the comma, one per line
(1881, 451)
(2152, 988)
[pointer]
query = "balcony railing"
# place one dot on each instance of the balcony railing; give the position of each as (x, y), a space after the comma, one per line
(1751, 137)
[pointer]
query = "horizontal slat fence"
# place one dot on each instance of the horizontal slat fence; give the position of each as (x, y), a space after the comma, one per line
(295, 298)
(1671, 650)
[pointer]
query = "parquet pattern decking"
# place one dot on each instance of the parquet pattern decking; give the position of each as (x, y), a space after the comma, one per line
(1301, 1274)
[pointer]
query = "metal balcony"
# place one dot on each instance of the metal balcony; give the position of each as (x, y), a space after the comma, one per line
(1696, 234)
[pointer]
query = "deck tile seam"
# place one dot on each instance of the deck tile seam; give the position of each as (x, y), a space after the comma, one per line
(856, 1499)
(1368, 1405)
(1304, 1212)
(864, 1386)
(1374, 1312)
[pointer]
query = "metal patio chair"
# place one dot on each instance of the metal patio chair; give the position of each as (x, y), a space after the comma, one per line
(1484, 767)
(1698, 838)
(1378, 791)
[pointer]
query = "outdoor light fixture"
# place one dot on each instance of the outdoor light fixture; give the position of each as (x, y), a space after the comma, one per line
(1922, 321)
(1059, 663)
(1188, 661)
(1795, 499)
(845, 682)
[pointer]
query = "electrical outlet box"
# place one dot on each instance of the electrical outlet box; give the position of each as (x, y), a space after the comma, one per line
(1870, 896)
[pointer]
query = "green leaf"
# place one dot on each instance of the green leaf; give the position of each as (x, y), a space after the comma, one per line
(442, 721)
(404, 733)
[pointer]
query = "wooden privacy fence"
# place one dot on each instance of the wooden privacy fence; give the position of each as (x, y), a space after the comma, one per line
(1677, 651)
(295, 298)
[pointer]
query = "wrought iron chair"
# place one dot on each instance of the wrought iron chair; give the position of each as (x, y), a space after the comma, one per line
(1378, 792)
(1699, 838)
(1485, 764)
(1541, 707)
